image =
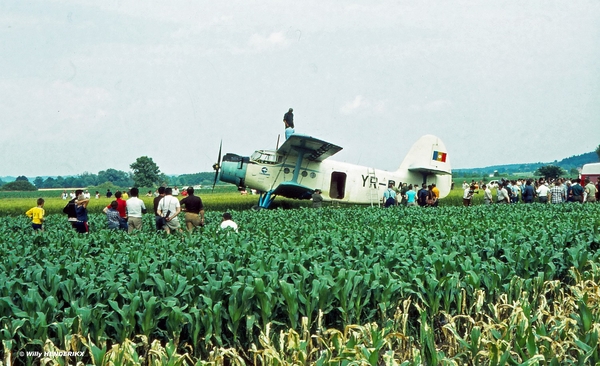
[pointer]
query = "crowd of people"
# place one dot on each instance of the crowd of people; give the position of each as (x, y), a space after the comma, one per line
(126, 211)
(554, 191)
(424, 195)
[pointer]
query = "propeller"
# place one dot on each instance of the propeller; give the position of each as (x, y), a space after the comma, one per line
(217, 166)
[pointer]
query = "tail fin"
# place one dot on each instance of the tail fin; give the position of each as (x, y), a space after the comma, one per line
(429, 157)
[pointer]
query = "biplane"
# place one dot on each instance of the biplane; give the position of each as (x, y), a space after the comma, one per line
(302, 164)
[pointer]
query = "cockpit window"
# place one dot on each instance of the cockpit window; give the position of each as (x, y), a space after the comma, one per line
(266, 157)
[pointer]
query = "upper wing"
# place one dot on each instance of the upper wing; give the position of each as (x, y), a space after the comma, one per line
(314, 149)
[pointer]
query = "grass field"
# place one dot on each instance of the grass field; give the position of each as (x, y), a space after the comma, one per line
(223, 198)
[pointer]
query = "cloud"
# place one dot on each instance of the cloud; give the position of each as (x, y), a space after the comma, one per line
(273, 40)
(359, 104)
(434, 106)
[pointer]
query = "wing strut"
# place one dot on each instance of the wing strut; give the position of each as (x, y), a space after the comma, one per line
(301, 153)
(266, 198)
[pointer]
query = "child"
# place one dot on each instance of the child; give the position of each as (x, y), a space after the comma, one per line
(37, 215)
(112, 215)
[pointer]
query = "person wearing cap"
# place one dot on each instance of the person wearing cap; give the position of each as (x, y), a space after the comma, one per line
(288, 121)
(194, 210)
(317, 199)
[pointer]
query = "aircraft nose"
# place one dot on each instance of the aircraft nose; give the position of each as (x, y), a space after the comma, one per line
(233, 169)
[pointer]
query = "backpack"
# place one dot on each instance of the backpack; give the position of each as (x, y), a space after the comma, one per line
(69, 209)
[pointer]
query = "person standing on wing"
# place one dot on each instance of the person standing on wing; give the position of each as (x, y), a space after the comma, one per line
(288, 121)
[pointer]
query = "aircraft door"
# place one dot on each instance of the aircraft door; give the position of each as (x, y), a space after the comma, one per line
(337, 188)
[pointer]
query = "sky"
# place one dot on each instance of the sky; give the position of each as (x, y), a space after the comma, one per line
(90, 85)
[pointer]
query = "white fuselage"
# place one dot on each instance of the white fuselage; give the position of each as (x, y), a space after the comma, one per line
(337, 180)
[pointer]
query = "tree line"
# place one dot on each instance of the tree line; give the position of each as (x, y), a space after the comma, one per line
(144, 173)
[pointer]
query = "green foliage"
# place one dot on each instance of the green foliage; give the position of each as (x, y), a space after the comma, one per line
(431, 278)
(22, 178)
(205, 178)
(575, 161)
(550, 171)
(223, 198)
(18, 185)
(38, 182)
(598, 152)
(116, 177)
(145, 172)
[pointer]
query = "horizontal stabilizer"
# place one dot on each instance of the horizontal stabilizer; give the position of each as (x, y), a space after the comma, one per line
(313, 148)
(424, 169)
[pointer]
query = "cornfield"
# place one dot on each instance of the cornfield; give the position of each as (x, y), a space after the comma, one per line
(485, 285)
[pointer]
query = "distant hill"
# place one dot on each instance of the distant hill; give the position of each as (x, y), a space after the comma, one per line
(573, 162)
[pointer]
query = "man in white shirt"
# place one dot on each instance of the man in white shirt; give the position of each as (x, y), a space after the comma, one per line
(468, 195)
(542, 193)
(169, 207)
(487, 195)
(227, 222)
(135, 208)
(502, 194)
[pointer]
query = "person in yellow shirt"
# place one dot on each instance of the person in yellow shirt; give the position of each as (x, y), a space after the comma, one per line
(37, 215)
(436, 193)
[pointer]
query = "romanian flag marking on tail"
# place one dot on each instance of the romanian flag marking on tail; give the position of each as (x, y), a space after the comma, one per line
(439, 156)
